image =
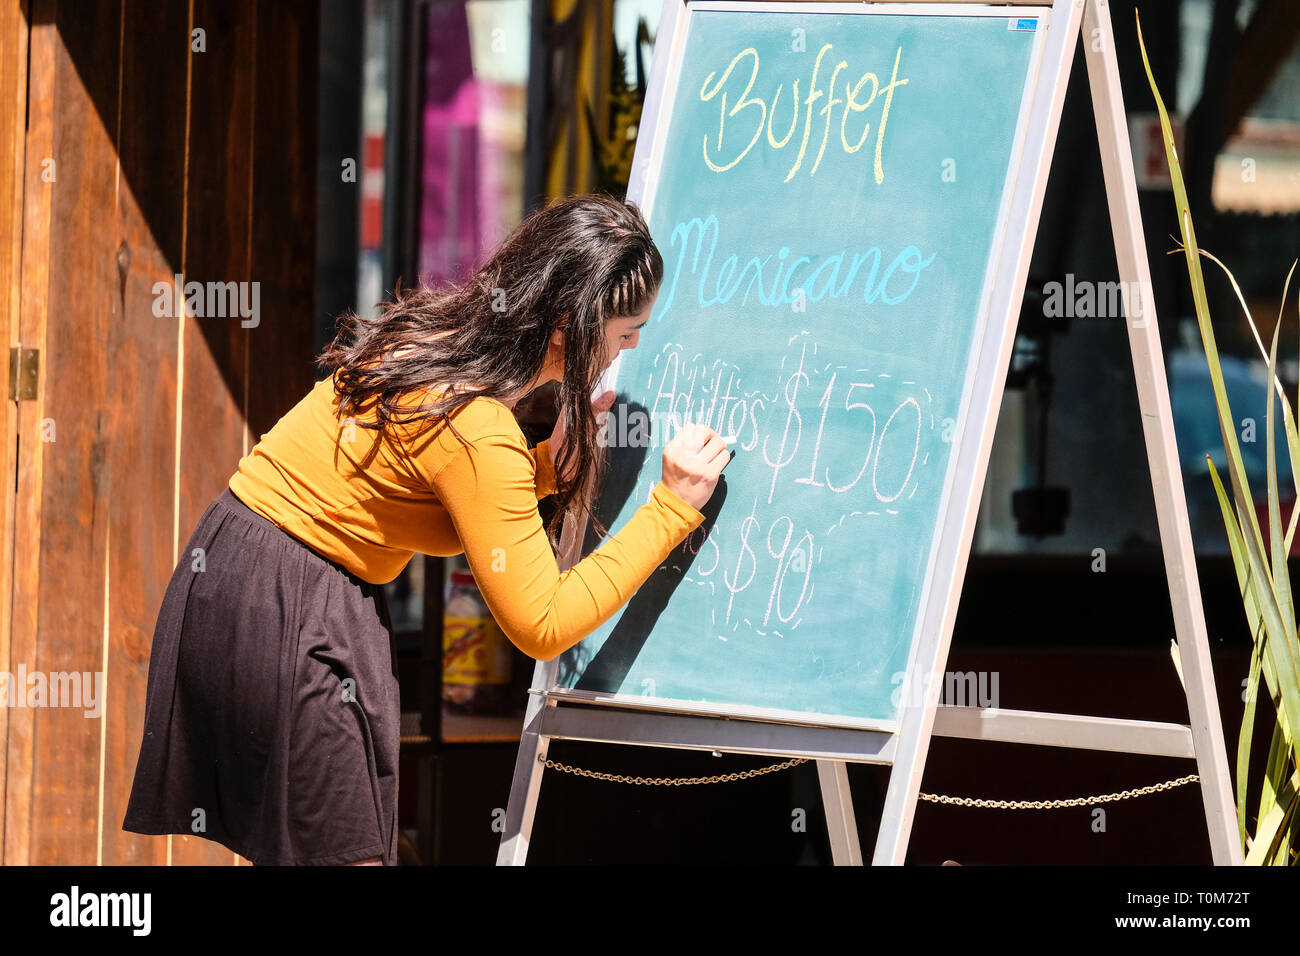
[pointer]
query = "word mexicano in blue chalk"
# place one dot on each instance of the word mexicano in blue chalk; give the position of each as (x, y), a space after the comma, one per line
(875, 286)
(761, 114)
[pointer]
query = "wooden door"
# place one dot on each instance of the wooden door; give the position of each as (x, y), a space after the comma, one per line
(139, 140)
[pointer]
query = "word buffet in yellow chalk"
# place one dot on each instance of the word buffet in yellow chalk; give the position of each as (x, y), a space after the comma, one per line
(757, 110)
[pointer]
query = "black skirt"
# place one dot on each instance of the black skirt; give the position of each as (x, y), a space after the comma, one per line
(272, 719)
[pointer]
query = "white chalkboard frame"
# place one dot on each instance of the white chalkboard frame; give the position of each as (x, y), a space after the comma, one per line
(549, 718)
(1001, 294)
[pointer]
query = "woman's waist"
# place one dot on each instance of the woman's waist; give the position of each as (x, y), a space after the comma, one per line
(372, 539)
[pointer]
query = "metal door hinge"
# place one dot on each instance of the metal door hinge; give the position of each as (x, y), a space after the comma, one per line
(23, 364)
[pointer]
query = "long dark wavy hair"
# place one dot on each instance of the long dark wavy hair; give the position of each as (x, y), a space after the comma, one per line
(580, 261)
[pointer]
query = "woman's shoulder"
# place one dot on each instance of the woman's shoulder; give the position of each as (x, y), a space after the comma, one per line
(413, 407)
(479, 423)
(487, 416)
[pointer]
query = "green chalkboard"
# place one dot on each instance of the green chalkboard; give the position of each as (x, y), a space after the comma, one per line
(826, 269)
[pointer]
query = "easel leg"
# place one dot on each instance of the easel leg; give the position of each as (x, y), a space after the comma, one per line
(840, 822)
(916, 721)
(525, 786)
(1158, 428)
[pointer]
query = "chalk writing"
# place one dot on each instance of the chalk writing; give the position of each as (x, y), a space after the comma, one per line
(824, 280)
(757, 110)
(764, 559)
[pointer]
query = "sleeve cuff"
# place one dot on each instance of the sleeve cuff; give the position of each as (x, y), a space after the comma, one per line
(677, 506)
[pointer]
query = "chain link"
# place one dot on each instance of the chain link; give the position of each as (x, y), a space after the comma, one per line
(675, 781)
(930, 797)
(1057, 804)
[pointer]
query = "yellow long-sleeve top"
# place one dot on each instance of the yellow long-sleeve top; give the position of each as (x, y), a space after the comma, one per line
(425, 491)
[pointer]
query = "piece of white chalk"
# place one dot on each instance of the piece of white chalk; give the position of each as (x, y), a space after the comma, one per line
(729, 439)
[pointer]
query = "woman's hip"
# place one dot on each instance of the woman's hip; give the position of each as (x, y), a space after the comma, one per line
(250, 610)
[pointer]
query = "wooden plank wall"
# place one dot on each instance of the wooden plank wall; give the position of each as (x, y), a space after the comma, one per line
(13, 114)
(167, 159)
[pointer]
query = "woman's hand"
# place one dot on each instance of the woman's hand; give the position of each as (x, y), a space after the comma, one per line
(599, 406)
(693, 461)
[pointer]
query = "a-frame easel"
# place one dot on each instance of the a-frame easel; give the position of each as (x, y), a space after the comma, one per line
(550, 716)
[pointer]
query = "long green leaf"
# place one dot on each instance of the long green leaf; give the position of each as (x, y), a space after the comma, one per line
(1241, 565)
(1280, 849)
(1279, 647)
(1275, 769)
(1246, 736)
(1278, 753)
(1243, 748)
(1282, 649)
(1263, 847)
(1281, 573)
(1288, 417)
(1277, 765)
(1226, 423)
(1287, 854)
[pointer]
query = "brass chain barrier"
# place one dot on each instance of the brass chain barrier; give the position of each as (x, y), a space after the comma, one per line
(930, 797)
(1056, 804)
(675, 781)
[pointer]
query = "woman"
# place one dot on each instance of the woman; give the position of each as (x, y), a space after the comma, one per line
(272, 715)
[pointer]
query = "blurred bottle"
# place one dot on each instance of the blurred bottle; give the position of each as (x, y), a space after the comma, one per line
(476, 654)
